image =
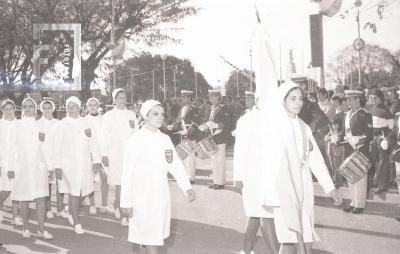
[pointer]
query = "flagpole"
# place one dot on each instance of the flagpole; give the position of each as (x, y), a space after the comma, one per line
(154, 92)
(113, 45)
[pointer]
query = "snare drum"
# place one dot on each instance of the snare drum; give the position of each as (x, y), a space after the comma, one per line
(185, 148)
(206, 147)
(355, 167)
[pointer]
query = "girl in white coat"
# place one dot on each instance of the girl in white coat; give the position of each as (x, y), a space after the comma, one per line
(145, 197)
(31, 180)
(118, 125)
(96, 119)
(76, 158)
(46, 127)
(288, 185)
(7, 130)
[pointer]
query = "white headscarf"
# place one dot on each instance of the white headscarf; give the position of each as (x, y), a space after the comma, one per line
(116, 92)
(5, 102)
(29, 99)
(47, 101)
(93, 99)
(147, 106)
(73, 99)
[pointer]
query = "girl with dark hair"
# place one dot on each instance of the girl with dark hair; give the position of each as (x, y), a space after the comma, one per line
(288, 186)
(145, 197)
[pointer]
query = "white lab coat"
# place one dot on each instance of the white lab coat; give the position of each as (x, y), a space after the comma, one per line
(96, 122)
(315, 165)
(31, 180)
(145, 185)
(7, 163)
(246, 164)
(117, 126)
(47, 127)
(74, 153)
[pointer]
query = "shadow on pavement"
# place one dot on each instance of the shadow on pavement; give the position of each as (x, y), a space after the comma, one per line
(373, 208)
(109, 237)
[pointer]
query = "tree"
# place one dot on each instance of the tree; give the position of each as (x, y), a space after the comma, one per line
(377, 67)
(135, 20)
(137, 74)
(237, 78)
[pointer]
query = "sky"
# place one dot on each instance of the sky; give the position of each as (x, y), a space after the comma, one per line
(226, 27)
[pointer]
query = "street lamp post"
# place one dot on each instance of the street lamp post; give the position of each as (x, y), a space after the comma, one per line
(163, 57)
(359, 52)
(237, 83)
(175, 82)
(195, 82)
(251, 70)
(359, 43)
(154, 92)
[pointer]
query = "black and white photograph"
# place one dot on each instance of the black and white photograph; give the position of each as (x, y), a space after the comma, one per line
(200, 126)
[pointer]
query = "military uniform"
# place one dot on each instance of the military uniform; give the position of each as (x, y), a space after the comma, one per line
(358, 123)
(188, 121)
(220, 120)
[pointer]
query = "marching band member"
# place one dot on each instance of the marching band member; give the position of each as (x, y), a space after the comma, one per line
(46, 127)
(145, 197)
(218, 123)
(247, 173)
(76, 158)
(31, 181)
(382, 123)
(96, 119)
(7, 130)
(186, 124)
(358, 132)
(117, 126)
(288, 185)
(335, 150)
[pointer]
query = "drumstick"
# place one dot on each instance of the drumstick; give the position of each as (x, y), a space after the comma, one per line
(348, 140)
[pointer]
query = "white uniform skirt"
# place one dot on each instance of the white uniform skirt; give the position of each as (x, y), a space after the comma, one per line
(251, 202)
(285, 235)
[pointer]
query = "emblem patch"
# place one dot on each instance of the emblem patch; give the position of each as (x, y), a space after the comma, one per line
(169, 156)
(132, 124)
(88, 133)
(41, 136)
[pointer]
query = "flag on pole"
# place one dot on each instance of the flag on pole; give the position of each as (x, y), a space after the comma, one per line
(281, 185)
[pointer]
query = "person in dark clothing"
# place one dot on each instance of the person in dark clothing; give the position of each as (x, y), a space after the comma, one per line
(393, 102)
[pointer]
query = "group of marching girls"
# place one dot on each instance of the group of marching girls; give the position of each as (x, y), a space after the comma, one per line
(72, 154)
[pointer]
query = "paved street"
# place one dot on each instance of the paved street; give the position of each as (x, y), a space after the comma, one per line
(214, 224)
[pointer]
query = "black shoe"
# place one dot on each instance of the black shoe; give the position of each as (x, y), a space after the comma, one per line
(219, 187)
(398, 219)
(348, 209)
(212, 186)
(357, 210)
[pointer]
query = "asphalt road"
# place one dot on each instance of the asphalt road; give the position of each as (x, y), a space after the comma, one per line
(214, 224)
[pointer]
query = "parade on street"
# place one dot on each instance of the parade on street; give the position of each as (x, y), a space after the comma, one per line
(200, 127)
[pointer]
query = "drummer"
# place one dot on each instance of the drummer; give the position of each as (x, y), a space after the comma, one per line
(186, 124)
(218, 126)
(358, 133)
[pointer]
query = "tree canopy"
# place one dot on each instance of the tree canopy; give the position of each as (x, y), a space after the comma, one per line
(135, 20)
(379, 67)
(137, 73)
(238, 79)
